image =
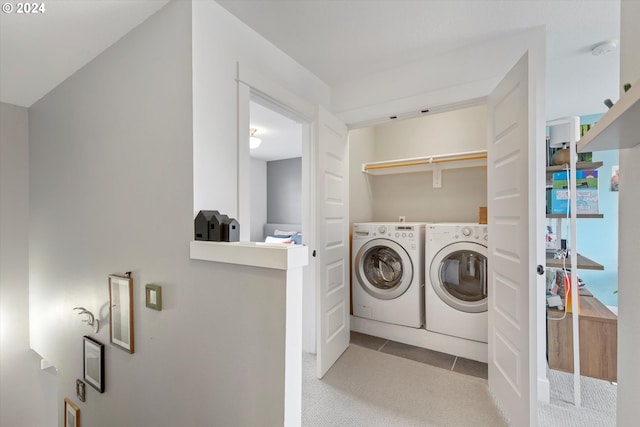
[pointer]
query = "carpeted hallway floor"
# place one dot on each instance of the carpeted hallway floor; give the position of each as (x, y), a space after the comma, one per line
(369, 388)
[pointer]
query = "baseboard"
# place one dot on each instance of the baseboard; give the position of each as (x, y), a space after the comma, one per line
(544, 390)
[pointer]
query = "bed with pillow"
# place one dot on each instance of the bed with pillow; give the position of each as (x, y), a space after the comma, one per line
(283, 233)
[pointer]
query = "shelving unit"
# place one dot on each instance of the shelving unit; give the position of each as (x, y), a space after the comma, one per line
(573, 323)
(618, 128)
(583, 262)
(436, 164)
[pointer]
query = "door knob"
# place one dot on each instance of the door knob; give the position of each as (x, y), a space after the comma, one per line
(540, 270)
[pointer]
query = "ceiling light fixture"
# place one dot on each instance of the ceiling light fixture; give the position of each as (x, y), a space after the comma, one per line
(604, 47)
(254, 141)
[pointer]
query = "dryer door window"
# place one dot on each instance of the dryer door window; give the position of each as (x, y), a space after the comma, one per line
(459, 276)
(384, 269)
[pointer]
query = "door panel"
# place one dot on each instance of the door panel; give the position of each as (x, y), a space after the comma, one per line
(332, 184)
(513, 232)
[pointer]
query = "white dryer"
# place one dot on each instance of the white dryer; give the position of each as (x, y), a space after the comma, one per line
(456, 272)
(388, 272)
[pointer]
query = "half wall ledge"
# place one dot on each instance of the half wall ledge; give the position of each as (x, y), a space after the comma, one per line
(256, 254)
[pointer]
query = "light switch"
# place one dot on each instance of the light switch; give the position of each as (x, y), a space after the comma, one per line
(153, 296)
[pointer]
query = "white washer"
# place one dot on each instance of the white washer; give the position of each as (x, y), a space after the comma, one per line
(456, 273)
(388, 272)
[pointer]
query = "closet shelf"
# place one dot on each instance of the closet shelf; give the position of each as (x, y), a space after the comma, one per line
(435, 164)
(619, 127)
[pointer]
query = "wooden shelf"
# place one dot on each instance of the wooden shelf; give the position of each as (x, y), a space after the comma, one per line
(580, 166)
(584, 263)
(618, 128)
(579, 216)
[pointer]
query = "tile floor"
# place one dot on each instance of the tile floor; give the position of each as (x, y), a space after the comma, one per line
(422, 355)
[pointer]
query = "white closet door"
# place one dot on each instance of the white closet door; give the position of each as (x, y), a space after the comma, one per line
(332, 244)
(513, 157)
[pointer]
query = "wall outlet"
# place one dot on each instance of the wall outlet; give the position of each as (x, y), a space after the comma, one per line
(401, 218)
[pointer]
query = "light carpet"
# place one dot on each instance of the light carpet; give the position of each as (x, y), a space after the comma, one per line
(598, 407)
(372, 389)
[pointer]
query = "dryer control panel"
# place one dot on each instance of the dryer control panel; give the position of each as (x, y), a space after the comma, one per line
(388, 230)
(473, 233)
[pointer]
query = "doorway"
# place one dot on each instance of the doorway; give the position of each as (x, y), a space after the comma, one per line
(279, 204)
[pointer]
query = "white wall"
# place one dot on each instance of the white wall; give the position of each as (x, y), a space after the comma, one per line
(27, 394)
(629, 292)
(258, 199)
(111, 190)
(412, 195)
(221, 45)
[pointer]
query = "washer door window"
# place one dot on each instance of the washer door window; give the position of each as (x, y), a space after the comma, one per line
(459, 276)
(384, 269)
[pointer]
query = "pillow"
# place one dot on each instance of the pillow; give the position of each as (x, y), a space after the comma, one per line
(295, 238)
(278, 239)
(277, 232)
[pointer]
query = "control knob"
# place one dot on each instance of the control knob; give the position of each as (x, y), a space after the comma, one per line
(466, 231)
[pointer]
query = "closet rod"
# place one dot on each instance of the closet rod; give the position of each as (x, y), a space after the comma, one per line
(425, 162)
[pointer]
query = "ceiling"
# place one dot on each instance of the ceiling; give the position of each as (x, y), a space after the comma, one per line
(338, 40)
(281, 136)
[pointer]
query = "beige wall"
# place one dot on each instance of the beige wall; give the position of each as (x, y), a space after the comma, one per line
(361, 150)
(386, 197)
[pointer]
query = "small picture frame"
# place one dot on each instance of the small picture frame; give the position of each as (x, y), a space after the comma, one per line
(81, 390)
(153, 296)
(121, 312)
(71, 414)
(93, 361)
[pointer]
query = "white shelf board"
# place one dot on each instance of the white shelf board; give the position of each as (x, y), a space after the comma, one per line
(427, 163)
(618, 128)
(266, 255)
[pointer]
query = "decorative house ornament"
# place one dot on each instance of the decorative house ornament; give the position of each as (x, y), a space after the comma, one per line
(230, 230)
(216, 227)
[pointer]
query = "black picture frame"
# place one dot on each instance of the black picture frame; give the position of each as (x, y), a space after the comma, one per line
(93, 363)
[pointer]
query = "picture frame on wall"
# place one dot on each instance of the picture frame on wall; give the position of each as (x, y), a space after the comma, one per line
(71, 414)
(81, 391)
(121, 312)
(93, 363)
